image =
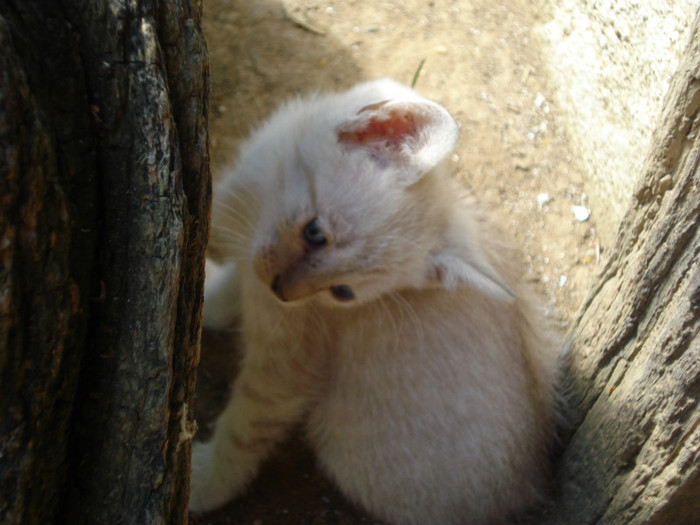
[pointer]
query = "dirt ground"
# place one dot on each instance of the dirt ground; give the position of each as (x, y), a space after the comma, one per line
(481, 60)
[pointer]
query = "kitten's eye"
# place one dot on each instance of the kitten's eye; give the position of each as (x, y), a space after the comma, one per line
(342, 292)
(313, 234)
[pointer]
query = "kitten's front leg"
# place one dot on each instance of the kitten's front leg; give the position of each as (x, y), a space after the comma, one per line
(260, 411)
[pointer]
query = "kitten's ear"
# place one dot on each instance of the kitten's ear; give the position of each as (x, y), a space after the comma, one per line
(413, 136)
(450, 270)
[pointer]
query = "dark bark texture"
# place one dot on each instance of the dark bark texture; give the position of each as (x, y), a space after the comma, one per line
(104, 201)
(634, 458)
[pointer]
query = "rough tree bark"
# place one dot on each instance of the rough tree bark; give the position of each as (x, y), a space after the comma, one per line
(104, 196)
(634, 458)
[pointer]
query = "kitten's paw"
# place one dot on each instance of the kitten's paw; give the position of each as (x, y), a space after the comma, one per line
(220, 296)
(218, 475)
(208, 487)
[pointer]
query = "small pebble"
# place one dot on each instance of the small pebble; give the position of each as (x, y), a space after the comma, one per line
(543, 199)
(540, 100)
(581, 213)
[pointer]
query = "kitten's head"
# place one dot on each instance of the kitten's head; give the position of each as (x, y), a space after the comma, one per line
(349, 205)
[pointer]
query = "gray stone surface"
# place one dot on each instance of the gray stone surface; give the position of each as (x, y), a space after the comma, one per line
(611, 62)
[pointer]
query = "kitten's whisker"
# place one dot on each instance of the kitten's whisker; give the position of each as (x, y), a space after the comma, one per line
(406, 307)
(242, 205)
(232, 232)
(236, 213)
(238, 247)
(246, 202)
(385, 312)
(231, 215)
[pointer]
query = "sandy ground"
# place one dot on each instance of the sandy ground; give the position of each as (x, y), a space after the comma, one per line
(481, 60)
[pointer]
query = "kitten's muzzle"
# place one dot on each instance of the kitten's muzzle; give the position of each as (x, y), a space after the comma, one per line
(340, 292)
(288, 288)
(293, 274)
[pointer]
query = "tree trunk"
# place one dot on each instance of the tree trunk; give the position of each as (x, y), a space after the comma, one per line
(104, 200)
(634, 458)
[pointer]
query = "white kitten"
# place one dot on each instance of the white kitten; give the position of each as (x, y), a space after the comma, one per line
(378, 307)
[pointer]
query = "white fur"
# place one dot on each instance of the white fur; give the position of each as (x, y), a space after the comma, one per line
(221, 298)
(428, 398)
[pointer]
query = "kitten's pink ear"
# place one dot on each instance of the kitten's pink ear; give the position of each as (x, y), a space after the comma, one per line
(450, 270)
(413, 136)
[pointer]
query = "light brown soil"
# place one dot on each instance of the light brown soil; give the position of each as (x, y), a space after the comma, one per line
(483, 62)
